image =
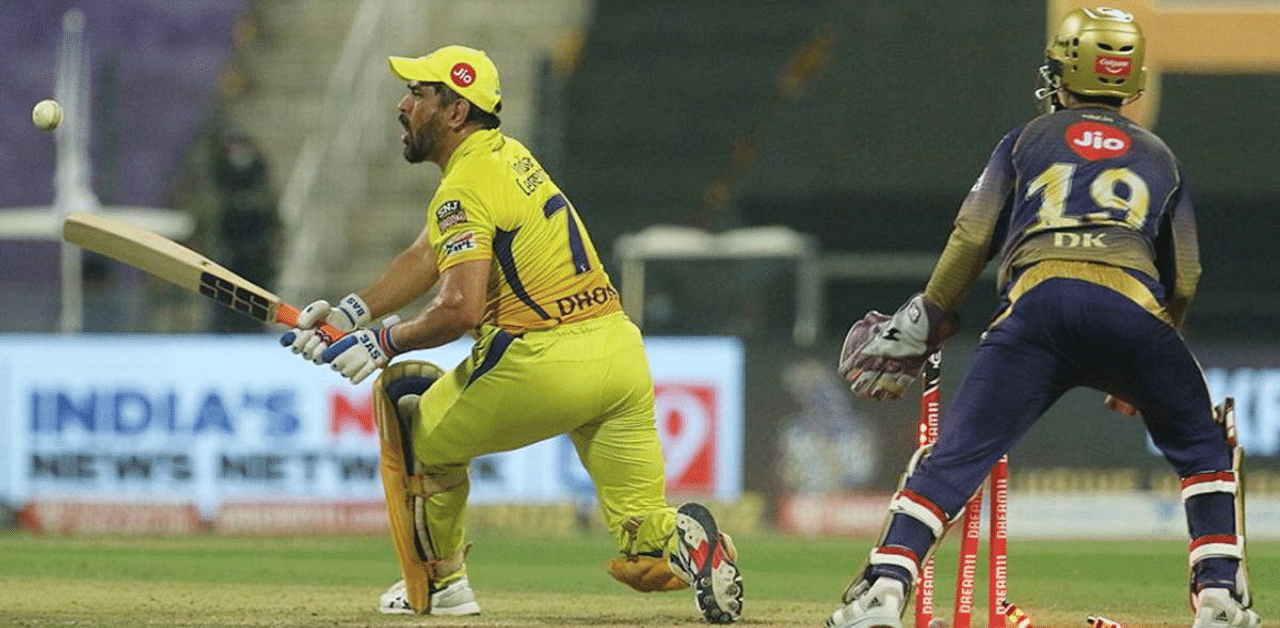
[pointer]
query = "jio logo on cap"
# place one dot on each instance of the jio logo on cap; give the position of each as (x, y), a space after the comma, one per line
(462, 74)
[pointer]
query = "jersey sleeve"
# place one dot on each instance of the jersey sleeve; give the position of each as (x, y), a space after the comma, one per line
(461, 228)
(971, 243)
(1178, 254)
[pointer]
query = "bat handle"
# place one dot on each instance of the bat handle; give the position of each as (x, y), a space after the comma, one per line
(288, 315)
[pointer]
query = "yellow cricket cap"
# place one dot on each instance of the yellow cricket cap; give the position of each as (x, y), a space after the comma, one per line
(465, 70)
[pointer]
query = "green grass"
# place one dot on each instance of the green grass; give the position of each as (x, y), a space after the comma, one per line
(335, 581)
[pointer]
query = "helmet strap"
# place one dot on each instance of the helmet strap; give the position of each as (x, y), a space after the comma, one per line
(1050, 81)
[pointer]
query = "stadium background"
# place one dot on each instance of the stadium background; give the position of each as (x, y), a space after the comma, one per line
(857, 127)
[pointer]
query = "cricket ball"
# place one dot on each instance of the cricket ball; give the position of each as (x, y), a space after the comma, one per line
(46, 115)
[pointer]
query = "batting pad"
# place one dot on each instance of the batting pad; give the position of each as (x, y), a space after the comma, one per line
(403, 488)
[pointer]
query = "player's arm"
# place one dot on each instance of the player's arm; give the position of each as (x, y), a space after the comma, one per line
(1178, 257)
(409, 275)
(457, 308)
(882, 355)
(463, 250)
(406, 277)
(970, 244)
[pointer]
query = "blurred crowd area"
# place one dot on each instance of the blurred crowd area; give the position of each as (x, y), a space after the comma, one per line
(862, 126)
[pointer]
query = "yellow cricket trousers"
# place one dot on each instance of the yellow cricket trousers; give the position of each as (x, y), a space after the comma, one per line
(589, 379)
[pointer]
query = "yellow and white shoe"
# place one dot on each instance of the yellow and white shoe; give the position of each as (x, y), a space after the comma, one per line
(708, 560)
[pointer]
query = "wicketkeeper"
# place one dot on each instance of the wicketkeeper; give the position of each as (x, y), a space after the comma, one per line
(1091, 219)
(512, 264)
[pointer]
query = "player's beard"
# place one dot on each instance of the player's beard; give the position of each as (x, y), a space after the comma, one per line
(420, 142)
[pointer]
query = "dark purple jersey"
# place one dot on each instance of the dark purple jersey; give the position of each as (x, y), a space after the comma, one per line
(1078, 185)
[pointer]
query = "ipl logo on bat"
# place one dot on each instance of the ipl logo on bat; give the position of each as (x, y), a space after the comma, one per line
(462, 74)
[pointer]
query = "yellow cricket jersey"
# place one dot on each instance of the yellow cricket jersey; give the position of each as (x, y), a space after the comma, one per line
(495, 202)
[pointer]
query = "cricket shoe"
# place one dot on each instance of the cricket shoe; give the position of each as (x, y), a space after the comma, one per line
(708, 560)
(1216, 608)
(876, 605)
(454, 599)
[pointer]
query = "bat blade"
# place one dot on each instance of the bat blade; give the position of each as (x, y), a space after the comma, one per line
(179, 266)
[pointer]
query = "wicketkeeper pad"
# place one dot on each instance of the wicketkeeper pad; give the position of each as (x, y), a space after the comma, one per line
(404, 488)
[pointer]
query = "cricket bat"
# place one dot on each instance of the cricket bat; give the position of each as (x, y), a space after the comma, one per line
(179, 266)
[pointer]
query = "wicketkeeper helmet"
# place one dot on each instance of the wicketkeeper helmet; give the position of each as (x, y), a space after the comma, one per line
(1095, 52)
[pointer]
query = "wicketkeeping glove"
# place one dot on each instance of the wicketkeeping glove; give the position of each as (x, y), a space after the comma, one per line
(350, 313)
(882, 355)
(360, 353)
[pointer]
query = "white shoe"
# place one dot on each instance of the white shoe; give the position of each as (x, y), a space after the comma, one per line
(707, 559)
(455, 599)
(1216, 608)
(876, 606)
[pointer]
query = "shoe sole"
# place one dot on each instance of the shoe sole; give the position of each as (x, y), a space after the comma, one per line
(716, 580)
(470, 608)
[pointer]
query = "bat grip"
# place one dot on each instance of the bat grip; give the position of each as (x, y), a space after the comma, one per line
(288, 315)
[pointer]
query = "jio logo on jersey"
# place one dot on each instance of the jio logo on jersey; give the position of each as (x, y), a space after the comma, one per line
(1094, 140)
(462, 74)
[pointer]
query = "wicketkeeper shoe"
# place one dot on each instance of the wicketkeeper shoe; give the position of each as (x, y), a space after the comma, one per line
(1216, 608)
(877, 605)
(453, 599)
(709, 561)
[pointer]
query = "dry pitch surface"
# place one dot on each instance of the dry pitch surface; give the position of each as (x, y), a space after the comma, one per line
(209, 581)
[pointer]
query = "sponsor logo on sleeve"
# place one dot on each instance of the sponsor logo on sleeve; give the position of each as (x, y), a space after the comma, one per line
(1113, 66)
(1094, 140)
(464, 241)
(450, 214)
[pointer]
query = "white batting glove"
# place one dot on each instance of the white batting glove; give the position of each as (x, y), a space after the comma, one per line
(360, 353)
(350, 313)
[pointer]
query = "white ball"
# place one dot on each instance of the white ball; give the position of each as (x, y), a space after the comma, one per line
(47, 114)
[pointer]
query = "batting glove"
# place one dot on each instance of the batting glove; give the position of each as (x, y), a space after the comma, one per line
(351, 313)
(360, 353)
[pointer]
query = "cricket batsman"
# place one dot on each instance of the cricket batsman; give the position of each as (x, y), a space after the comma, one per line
(512, 264)
(1090, 217)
